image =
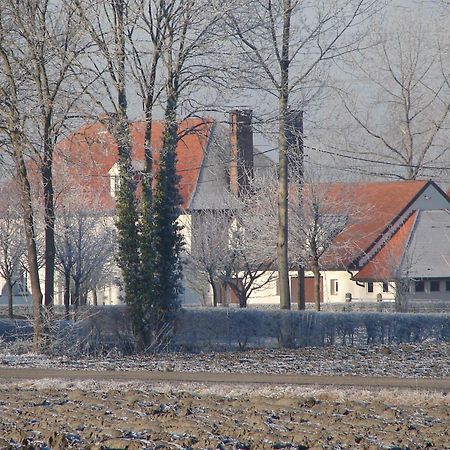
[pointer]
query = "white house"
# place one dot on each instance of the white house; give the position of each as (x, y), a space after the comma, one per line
(398, 230)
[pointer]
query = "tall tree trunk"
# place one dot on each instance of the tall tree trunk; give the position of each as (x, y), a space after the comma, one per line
(50, 250)
(283, 95)
(216, 290)
(242, 295)
(94, 297)
(77, 294)
(28, 220)
(9, 290)
(67, 294)
(127, 217)
(316, 272)
(301, 288)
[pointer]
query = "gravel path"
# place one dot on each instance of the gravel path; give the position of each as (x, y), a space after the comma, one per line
(229, 378)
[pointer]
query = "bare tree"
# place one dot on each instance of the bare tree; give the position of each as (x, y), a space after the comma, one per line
(287, 43)
(233, 248)
(209, 251)
(108, 24)
(85, 244)
(402, 116)
(12, 126)
(12, 242)
(252, 259)
(316, 219)
(44, 47)
(40, 46)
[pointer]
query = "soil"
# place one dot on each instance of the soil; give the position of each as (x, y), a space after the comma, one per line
(60, 413)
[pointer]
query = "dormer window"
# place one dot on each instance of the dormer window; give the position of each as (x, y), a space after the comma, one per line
(114, 177)
(114, 180)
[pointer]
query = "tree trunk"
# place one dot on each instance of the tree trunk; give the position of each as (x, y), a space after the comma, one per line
(215, 289)
(316, 273)
(282, 241)
(283, 95)
(401, 298)
(301, 288)
(242, 299)
(94, 297)
(28, 220)
(77, 293)
(50, 250)
(9, 290)
(67, 294)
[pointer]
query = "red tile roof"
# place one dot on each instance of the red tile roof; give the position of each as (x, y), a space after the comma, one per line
(371, 209)
(84, 158)
(384, 265)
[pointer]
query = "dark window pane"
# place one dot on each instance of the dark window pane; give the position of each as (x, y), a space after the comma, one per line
(385, 287)
(370, 287)
(435, 286)
(420, 286)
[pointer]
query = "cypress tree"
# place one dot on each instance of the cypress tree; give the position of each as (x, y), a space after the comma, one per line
(128, 254)
(166, 234)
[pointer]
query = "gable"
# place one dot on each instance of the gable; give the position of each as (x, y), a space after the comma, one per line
(372, 210)
(429, 198)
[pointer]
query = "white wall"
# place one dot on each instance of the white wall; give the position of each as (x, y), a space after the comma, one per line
(345, 284)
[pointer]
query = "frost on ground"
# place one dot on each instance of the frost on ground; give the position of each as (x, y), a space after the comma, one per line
(136, 415)
(427, 359)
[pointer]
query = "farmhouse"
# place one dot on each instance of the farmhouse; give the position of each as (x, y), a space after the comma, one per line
(395, 235)
(390, 234)
(214, 163)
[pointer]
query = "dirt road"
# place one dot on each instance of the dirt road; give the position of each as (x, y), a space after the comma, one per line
(228, 378)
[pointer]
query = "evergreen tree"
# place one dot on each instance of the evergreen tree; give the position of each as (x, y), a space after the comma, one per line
(128, 254)
(146, 300)
(166, 234)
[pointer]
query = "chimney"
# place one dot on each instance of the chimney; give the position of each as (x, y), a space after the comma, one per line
(241, 152)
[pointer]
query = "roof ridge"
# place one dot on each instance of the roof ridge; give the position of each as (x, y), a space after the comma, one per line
(408, 240)
(394, 230)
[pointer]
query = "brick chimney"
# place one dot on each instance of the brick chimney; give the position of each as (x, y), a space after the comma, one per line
(241, 151)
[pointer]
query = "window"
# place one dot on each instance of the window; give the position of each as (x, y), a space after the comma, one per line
(334, 287)
(419, 286)
(385, 286)
(435, 286)
(370, 286)
(447, 285)
(116, 183)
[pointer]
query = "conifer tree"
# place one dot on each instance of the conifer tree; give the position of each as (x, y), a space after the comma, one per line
(166, 233)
